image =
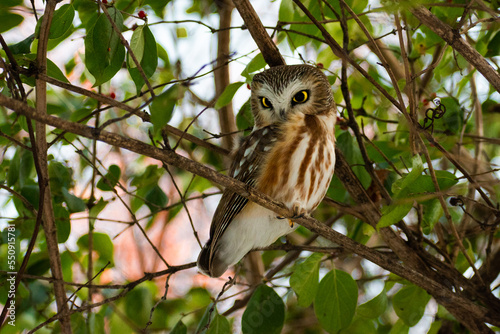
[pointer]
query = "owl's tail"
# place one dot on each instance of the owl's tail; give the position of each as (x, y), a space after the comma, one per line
(211, 265)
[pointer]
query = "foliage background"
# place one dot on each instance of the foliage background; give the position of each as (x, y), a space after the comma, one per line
(109, 218)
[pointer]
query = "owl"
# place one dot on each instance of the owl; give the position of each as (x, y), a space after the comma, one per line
(290, 156)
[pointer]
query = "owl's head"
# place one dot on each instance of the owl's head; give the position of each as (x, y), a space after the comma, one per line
(284, 90)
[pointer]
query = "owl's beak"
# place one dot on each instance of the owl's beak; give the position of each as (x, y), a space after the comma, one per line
(283, 114)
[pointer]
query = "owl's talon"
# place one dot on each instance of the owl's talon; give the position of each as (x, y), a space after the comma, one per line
(290, 222)
(280, 217)
(302, 215)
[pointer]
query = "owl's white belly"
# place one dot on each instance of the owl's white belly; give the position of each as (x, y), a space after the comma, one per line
(254, 227)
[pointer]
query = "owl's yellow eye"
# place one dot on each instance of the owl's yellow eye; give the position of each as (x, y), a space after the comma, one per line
(265, 102)
(300, 97)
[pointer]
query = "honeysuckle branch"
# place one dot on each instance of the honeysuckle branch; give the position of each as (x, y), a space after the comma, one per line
(454, 302)
(46, 207)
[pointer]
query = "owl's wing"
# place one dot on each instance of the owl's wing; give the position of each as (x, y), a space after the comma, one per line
(245, 168)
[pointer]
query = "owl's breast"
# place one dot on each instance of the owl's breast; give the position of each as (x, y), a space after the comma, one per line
(299, 168)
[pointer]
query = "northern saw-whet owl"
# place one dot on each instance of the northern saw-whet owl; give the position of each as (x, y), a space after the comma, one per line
(290, 156)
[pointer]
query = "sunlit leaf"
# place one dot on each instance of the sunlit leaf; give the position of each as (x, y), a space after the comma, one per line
(394, 213)
(145, 50)
(179, 328)
(108, 181)
(9, 20)
(61, 21)
(373, 308)
(22, 47)
(409, 304)
(219, 325)
(163, 107)
(101, 243)
(139, 304)
(257, 63)
(305, 279)
(336, 300)
(432, 212)
(63, 223)
(104, 52)
(227, 95)
(75, 204)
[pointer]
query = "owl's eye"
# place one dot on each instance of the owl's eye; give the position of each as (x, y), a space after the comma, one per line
(300, 97)
(265, 102)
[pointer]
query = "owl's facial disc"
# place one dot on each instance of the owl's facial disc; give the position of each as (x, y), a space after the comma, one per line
(282, 91)
(280, 104)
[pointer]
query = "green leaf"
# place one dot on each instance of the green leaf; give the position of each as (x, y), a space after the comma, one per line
(22, 47)
(254, 65)
(104, 52)
(373, 308)
(179, 328)
(146, 52)
(32, 193)
(163, 107)
(60, 176)
(181, 32)
(14, 166)
(432, 213)
(360, 326)
(227, 95)
(10, 3)
(305, 279)
(409, 304)
(493, 46)
(265, 312)
(67, 261)
(54, 72)
(40, 266)
(102, 245)
(9, 20)
(408, 179)
(75, 204)
(393, 213)
(244, 118)
(156, 199)
(87, 11)
(97, 208)
(435, 327)
(201, 328)
(399, 328)
(158, 6)
(62, 21)
(137, 46)
(286, 11)
(62, 222)
(96, 323)
(108, 181)
(138, 305)
(335, 303)
(219, 325)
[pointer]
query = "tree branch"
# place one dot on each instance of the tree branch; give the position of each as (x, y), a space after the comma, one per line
(48, 223)
(221, 73)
